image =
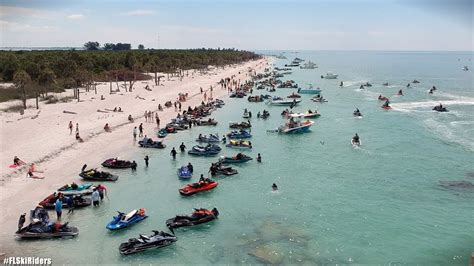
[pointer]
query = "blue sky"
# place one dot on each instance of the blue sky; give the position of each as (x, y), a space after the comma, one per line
(254, 25)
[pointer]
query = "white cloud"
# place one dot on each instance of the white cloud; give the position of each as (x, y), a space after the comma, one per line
(138, 12)
(76, 16)
(19, 27)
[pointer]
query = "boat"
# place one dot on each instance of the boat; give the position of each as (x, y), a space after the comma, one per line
(75, 189)
(240, 125)
(281, 102)
(239, 144)
(220, 169)
(330, 75)
(122, 221)
(39, 229)
(255, 99)
(78, 200)
(295, 125)
(319, 99)
(149, 143)
(162, 133)
(211, 139)
(94, 175)
(239, 158)
(199, 216)
(200, 186)
(241, 134)
(209, 150)
(308, 114)
(309, 90)
(415, 81)
(385, 84)
(143, 242)
(209, 122)
(118, 164)
(309, 65)
(184, 173)
(465, 68)
(246, 115)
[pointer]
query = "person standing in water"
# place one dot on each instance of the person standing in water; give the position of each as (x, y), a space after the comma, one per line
(70, 203)
(146, 160)
(135, 133)
(274, 187)
(140, 129)
(173, 153)
(134, 166)
(259, 158)
(182, 147)
(58, 206)
(95, 197)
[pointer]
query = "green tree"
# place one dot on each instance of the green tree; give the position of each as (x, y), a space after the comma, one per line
(141, 47)
(91, 46)
(21, 79)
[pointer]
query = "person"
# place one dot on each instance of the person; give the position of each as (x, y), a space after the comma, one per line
(70, 127)
(17, 161)
(120, 109)
(157, 118)
(182, 147)
(21, 221)
(135, 133)
(78, 138)
(201, 179)
(173, 153)
(258, 114)
(400, 92)
(361, 87)
(130, 118)
(190, 168)
(77, 128)
(102, 191)
(58, 206)
(140, 129)
(31, 171)
(146, 160)
(95, 197)
(259, 158)
(70, 203)
(356, 138)
(106, 127)
(274, 187)
(386, 103)
(342, 84)
(134, 166)
(408, 85)
(145, 140)
(250, 114)
(224, 139)
(200, 136)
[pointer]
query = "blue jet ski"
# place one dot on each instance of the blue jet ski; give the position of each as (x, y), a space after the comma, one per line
(184, 173)
(241, 134)
(122, 221)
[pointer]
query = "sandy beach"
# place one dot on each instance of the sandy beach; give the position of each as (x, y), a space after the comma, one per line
(42, 136)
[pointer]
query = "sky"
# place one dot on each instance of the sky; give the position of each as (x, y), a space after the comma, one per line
(417, 25)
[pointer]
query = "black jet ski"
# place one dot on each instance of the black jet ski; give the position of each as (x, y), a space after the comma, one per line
(357, 113)
(143, 242)
(199, 216)
(440, 108)
(39, 229)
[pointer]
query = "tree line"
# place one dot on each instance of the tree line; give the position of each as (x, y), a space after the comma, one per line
(38, 72)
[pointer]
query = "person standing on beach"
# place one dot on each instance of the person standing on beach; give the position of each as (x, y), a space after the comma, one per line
(157, 118)
(70, 127)
(146, 160)
(173, 153)
(21, 221)
(77, 128)
(179, 106)
(146, 116)
(205, 96)
(58, 206)
(140, 129)
(201, 89)
(135, 133)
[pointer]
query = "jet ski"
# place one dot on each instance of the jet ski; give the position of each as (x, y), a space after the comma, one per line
(383, 98)
(357, 113)
(38, 229)
(122, 221)
(162, 133)
(79, 201)
(240, 125)
(209, 150)
(143, 242)
(199, 216)
(239, 158)
(83, 189)
(220, 169)
(117, 164)
(240, 144)
(386, 107)
(94, 175)
(149, 143)
(200, 186)
(242, 134)
(355, 143)
(440, 108)
(212, 138)
(184, 173)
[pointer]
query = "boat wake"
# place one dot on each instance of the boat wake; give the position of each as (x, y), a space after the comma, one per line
(413, 106)
(454, 132)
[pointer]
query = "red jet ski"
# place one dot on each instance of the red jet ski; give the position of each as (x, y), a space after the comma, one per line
(201, 186)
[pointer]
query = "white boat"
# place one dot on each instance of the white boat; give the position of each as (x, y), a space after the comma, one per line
(330, 75)
(312, 114)
(279, 101)
(309, 65)
(310, 90)
(295, 125)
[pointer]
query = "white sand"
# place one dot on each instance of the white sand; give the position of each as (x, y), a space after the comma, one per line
(46, 139)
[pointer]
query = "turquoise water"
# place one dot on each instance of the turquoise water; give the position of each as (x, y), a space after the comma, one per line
(381, 203)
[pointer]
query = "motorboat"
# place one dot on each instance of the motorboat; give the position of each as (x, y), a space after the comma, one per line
(309, 65)
(329, 75)
(282, 102)
(295, 125)
(309, 90)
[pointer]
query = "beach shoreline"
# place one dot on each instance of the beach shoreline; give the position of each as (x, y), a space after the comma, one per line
(63, 163)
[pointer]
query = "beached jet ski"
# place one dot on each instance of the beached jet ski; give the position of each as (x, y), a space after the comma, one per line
(94, 175)
(118, 164)
(39, 229)
(143, 242)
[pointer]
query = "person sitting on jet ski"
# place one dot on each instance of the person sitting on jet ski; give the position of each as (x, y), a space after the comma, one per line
(190, 168)
(239, 156)
(386, 103)
(74, 186)
(201, 179)
(400, 92)
(356, 138)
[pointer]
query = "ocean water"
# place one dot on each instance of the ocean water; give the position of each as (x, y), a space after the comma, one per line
(378, 204)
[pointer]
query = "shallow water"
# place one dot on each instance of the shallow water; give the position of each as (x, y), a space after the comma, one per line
(380, 203)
